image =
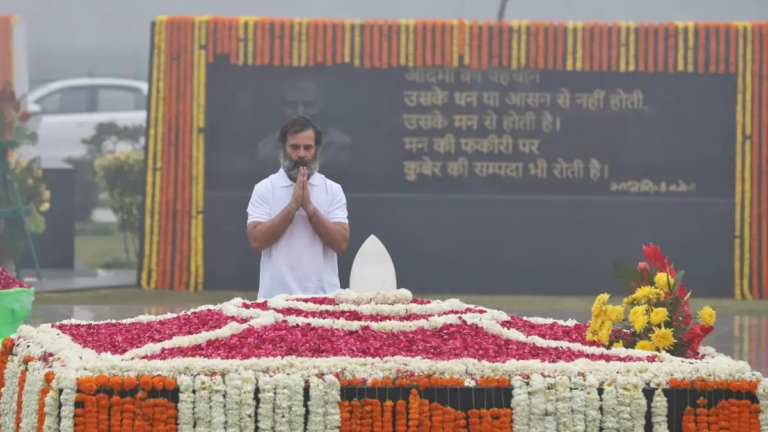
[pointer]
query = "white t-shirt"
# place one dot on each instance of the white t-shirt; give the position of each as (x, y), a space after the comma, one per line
(299, 262)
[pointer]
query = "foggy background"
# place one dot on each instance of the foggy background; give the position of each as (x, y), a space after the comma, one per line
(76, 38)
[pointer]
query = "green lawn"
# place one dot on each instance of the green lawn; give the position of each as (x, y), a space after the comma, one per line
(97, 242)
(136, 296)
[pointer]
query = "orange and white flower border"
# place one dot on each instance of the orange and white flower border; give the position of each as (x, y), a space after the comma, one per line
(219, 393)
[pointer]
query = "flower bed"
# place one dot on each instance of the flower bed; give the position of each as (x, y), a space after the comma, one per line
(367, 361)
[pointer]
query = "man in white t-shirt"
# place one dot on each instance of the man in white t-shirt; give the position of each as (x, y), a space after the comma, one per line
(297, 218)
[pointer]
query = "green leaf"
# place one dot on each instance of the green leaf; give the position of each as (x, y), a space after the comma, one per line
(678, 280)
(626, 273)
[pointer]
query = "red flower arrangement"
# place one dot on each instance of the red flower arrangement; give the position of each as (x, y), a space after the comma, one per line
(659, 310)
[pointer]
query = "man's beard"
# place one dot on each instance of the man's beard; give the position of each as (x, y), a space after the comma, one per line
(292, 167)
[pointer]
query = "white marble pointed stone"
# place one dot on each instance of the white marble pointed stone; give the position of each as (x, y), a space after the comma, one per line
(373, 269)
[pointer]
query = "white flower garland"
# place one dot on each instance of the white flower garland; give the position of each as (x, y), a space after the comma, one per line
(10, 393)
(316, 421)
(762, 398)
(610, 420)
(232, 401)
(51, 423)
(544, 321)
(186, 405)
(578, 404)
(332, 399)
(399, 296)
(592, 416)
(218, 416)
(659, 408)
(398, 310)
(550, 395)
(248, 401)
(638, 404)
(624, 408)
(68, 385)
(296, 385)
(203, 386)
(267, 387)
(283, 400)
(464, 368)
(521, 405)
(538, 393)
(563, 403)
(30, 399)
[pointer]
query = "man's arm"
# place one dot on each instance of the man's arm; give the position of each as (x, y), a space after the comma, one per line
(333, 230)
(263, 232)
(335, 235)
(262, 235)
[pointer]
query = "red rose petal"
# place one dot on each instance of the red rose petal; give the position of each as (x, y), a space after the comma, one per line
(120, 337)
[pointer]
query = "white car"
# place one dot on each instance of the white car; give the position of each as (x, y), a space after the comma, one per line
(65, 112)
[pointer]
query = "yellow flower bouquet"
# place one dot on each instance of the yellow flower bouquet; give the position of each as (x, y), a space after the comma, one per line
(655, 316)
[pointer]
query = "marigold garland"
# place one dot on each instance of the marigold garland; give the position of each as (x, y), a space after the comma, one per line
(5, 351)
(172, 253)
(19, 398)
(401, 420)
(418, 415)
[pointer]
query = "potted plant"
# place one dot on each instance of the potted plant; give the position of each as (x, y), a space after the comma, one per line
(15, 131)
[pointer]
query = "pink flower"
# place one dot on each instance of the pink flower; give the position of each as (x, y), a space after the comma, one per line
(119, 337)
(643, 266)
(450, 342)
(352, 315)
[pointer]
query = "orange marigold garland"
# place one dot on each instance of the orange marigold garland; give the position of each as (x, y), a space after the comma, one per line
(376, 414)
(5, 352)
(346, 416)
(79, 413)
(449, 419)
(474, 420)
(419, 44)
(385, 50)
(401, 417)
(48, 377)
(532, 44)
(91, 413)
(387, 419)
(474, 50)
(128, 406)
(436, 417)
(424, 421)
(671, 46)
(357, 415)
(414, 403)
(461, 421)
(377, 48)
(428, 44)
(115, 413)
(438, 50)
(495, 35)
(102, 412)
(22, 381)
(560, 45)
